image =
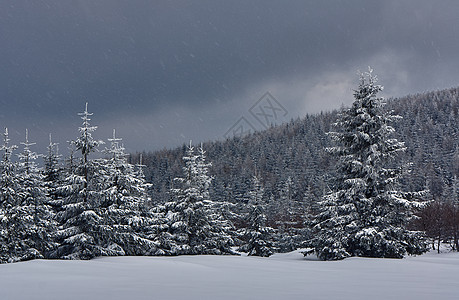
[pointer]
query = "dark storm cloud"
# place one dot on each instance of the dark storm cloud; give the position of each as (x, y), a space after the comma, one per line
(167, 71)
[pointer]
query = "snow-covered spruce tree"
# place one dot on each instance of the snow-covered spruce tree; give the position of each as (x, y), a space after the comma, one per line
(366, 214)
(191, 225)
(81, 235)
(222, 227)
(283, 207)
(285, 215)
(52, 171)
(10, 196)
(9, 182)
(124, 198)
(258, 237)
(27, 222)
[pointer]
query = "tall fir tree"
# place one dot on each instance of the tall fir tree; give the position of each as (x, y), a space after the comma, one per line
(366, 214)
(82, 235)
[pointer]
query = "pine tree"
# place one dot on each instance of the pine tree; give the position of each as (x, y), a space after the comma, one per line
(8, 181)
(10, 197)
(288, 217)
(221, 226)
(52, 171)
(366, 214)
(82, 232)
(286, 195)
(27, 222)
(124, 198)
(257, 234)
(192, 225)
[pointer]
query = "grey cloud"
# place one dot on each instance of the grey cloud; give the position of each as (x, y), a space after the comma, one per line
(137, 62)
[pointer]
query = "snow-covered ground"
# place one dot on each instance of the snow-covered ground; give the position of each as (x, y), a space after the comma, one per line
(282, 276)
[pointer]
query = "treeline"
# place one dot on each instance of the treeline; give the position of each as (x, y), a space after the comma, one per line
(83, 207)
(338, 183)
(76, 208)
(296, 171)
(295, 150)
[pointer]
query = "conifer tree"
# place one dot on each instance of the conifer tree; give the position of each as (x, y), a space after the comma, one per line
(10, 196)
(82, 232)
(257, 235)
(221, 226)
(366, 214)
(124, 198)
(192, 226)
(52, 171)
(9, 182)
(27, 222)
(287, 216)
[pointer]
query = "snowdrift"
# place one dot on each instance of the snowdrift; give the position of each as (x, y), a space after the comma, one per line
(282, 276)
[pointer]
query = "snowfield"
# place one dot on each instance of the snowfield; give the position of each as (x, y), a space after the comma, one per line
(281, 276)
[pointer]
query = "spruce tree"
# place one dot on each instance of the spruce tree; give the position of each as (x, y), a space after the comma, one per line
(27, 222)
(52, 172)
(124, 198)
(81, 235)
(10, 196)
(288, 215)
(221, 226)
(9, 182)
(367, 213)
(258, 237)
(191, 224)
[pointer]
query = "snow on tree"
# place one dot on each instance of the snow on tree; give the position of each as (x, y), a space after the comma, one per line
(139, 173)
(8, 181)
(257, 234)
(366, 214)
(124, 198)
(221, 226)
(71, 161)
(283, 208)
(288, 218)
(52, 170)
(81, 235)
(191, 224)
(26, 221)
(36, 194)
(10, 195)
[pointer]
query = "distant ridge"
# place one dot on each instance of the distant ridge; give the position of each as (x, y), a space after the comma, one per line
(294, 150)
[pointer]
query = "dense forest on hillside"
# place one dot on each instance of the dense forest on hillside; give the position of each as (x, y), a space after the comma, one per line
(293, 167)
(272, 191)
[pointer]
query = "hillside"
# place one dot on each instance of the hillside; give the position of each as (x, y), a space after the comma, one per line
(429, 128)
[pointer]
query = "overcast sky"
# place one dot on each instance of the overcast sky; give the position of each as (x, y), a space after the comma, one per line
(164, 72)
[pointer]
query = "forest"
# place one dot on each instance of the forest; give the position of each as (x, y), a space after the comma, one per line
(377, 179)
(296, 172)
